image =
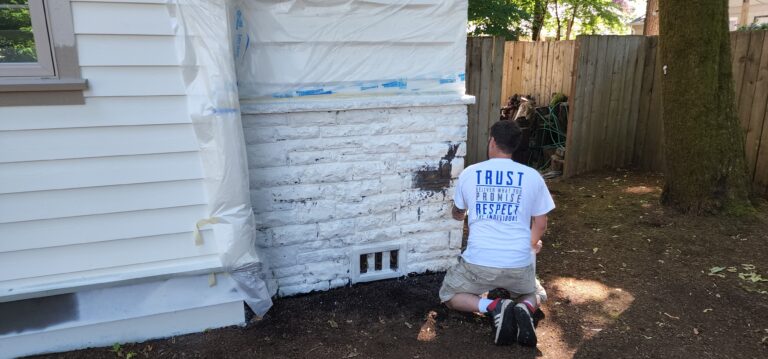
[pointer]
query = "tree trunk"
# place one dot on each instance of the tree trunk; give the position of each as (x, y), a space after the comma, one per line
(569, 27)
(651, 26)
(744, 13)
(557, 19)
(706, 166)
(539, 13)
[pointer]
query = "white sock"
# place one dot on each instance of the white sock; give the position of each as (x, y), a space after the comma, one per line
(482, 306)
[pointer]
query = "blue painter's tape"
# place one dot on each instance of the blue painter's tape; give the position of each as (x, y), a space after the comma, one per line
(313, 92)
(447, 81)
(224, 110)
(238, 42)
(401, 84)
(239, 21)
(461, 76)
(282, 95)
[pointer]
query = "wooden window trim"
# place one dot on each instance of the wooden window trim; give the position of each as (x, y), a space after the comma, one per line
(65, 85)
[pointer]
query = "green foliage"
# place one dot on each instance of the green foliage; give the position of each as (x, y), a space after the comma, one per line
(753, 27)
(517, 18)
(590, 16)
(498, 17)
(118, 350)
(17, 42)
(597, 16)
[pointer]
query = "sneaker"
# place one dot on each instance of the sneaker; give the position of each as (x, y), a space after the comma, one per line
(504, 322)
(526, 332)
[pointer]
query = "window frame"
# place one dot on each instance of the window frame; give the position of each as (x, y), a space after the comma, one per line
(55, 79)
(44, 65)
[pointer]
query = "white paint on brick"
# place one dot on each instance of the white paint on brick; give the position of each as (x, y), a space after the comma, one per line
(326, 182)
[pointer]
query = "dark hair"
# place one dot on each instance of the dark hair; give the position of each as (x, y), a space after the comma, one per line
(507, 135)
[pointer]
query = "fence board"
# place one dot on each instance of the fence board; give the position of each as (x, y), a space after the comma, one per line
(615, 116)
(497, 69)
(576, 92)
(760, 182)
(752, 112)
(751, 67)
(582, 134)
(473, 88)
(600, 101)
(625, 116)
(634, 106)
(484, 110)
(739, 57)
(644, 105)
(548, 82)
(485, 73)
(507, 70)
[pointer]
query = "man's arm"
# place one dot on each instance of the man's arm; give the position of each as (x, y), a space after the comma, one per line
(458, 214)
(538, 228)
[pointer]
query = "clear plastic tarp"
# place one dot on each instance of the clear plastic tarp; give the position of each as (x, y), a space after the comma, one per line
(204, 45)
(291, 50)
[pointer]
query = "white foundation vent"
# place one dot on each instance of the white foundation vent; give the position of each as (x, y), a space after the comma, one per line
(377, 262)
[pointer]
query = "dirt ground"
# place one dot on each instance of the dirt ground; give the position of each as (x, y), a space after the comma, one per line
(626, 279)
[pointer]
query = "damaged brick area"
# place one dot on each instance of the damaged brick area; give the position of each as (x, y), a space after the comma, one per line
(436, 179)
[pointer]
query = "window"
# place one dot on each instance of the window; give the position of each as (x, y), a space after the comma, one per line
(38, 61)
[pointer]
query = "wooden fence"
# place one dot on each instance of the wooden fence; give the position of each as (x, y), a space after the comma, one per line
(538, 69)
(615, 114)
(750, 75)
(485, 64)
(614, 89)
(601, 136)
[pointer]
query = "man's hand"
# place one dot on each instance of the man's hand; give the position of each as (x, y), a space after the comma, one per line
(537, 247)
(458, 214)
(538, 227)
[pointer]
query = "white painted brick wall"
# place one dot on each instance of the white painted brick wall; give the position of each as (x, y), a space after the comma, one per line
(325, 182)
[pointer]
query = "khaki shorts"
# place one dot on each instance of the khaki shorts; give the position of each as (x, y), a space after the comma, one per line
(475, 279)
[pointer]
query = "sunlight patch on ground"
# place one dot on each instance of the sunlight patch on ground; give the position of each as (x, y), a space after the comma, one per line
(601, 305)
(551, 343)
(641, 190)
(583, 291)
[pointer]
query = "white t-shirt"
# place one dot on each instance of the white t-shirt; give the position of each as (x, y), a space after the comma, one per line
(501, 196)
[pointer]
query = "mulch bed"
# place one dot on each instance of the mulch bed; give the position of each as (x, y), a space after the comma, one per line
(626, 278)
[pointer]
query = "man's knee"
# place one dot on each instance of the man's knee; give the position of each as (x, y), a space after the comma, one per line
(449, 303)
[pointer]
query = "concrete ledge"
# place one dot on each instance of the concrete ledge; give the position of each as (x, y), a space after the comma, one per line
(125, 331)
(132, 313)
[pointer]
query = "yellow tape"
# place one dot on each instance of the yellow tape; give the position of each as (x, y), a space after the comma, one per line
(212, 280)
(200, 223)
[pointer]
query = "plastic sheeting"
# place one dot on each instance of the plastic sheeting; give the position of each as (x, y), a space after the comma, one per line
(289, 50)
(203, 42)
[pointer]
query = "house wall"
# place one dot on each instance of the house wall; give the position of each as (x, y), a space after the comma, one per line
(758, 12)
(109, 190)
(326, 183)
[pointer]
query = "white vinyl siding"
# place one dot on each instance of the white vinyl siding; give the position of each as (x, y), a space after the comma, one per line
(100, 111)
(110, 190)
(121, 50)
(98, 227)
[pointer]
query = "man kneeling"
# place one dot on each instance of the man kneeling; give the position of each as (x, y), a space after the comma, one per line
(507, 204)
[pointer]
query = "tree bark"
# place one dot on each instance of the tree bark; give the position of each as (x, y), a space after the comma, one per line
(569, 27)
(651, 26)
(704, 144)
(744, 14)
(539, 13)
(557, 19)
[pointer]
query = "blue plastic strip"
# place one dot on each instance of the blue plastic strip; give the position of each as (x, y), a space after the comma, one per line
(399, 84)
(313, 92)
